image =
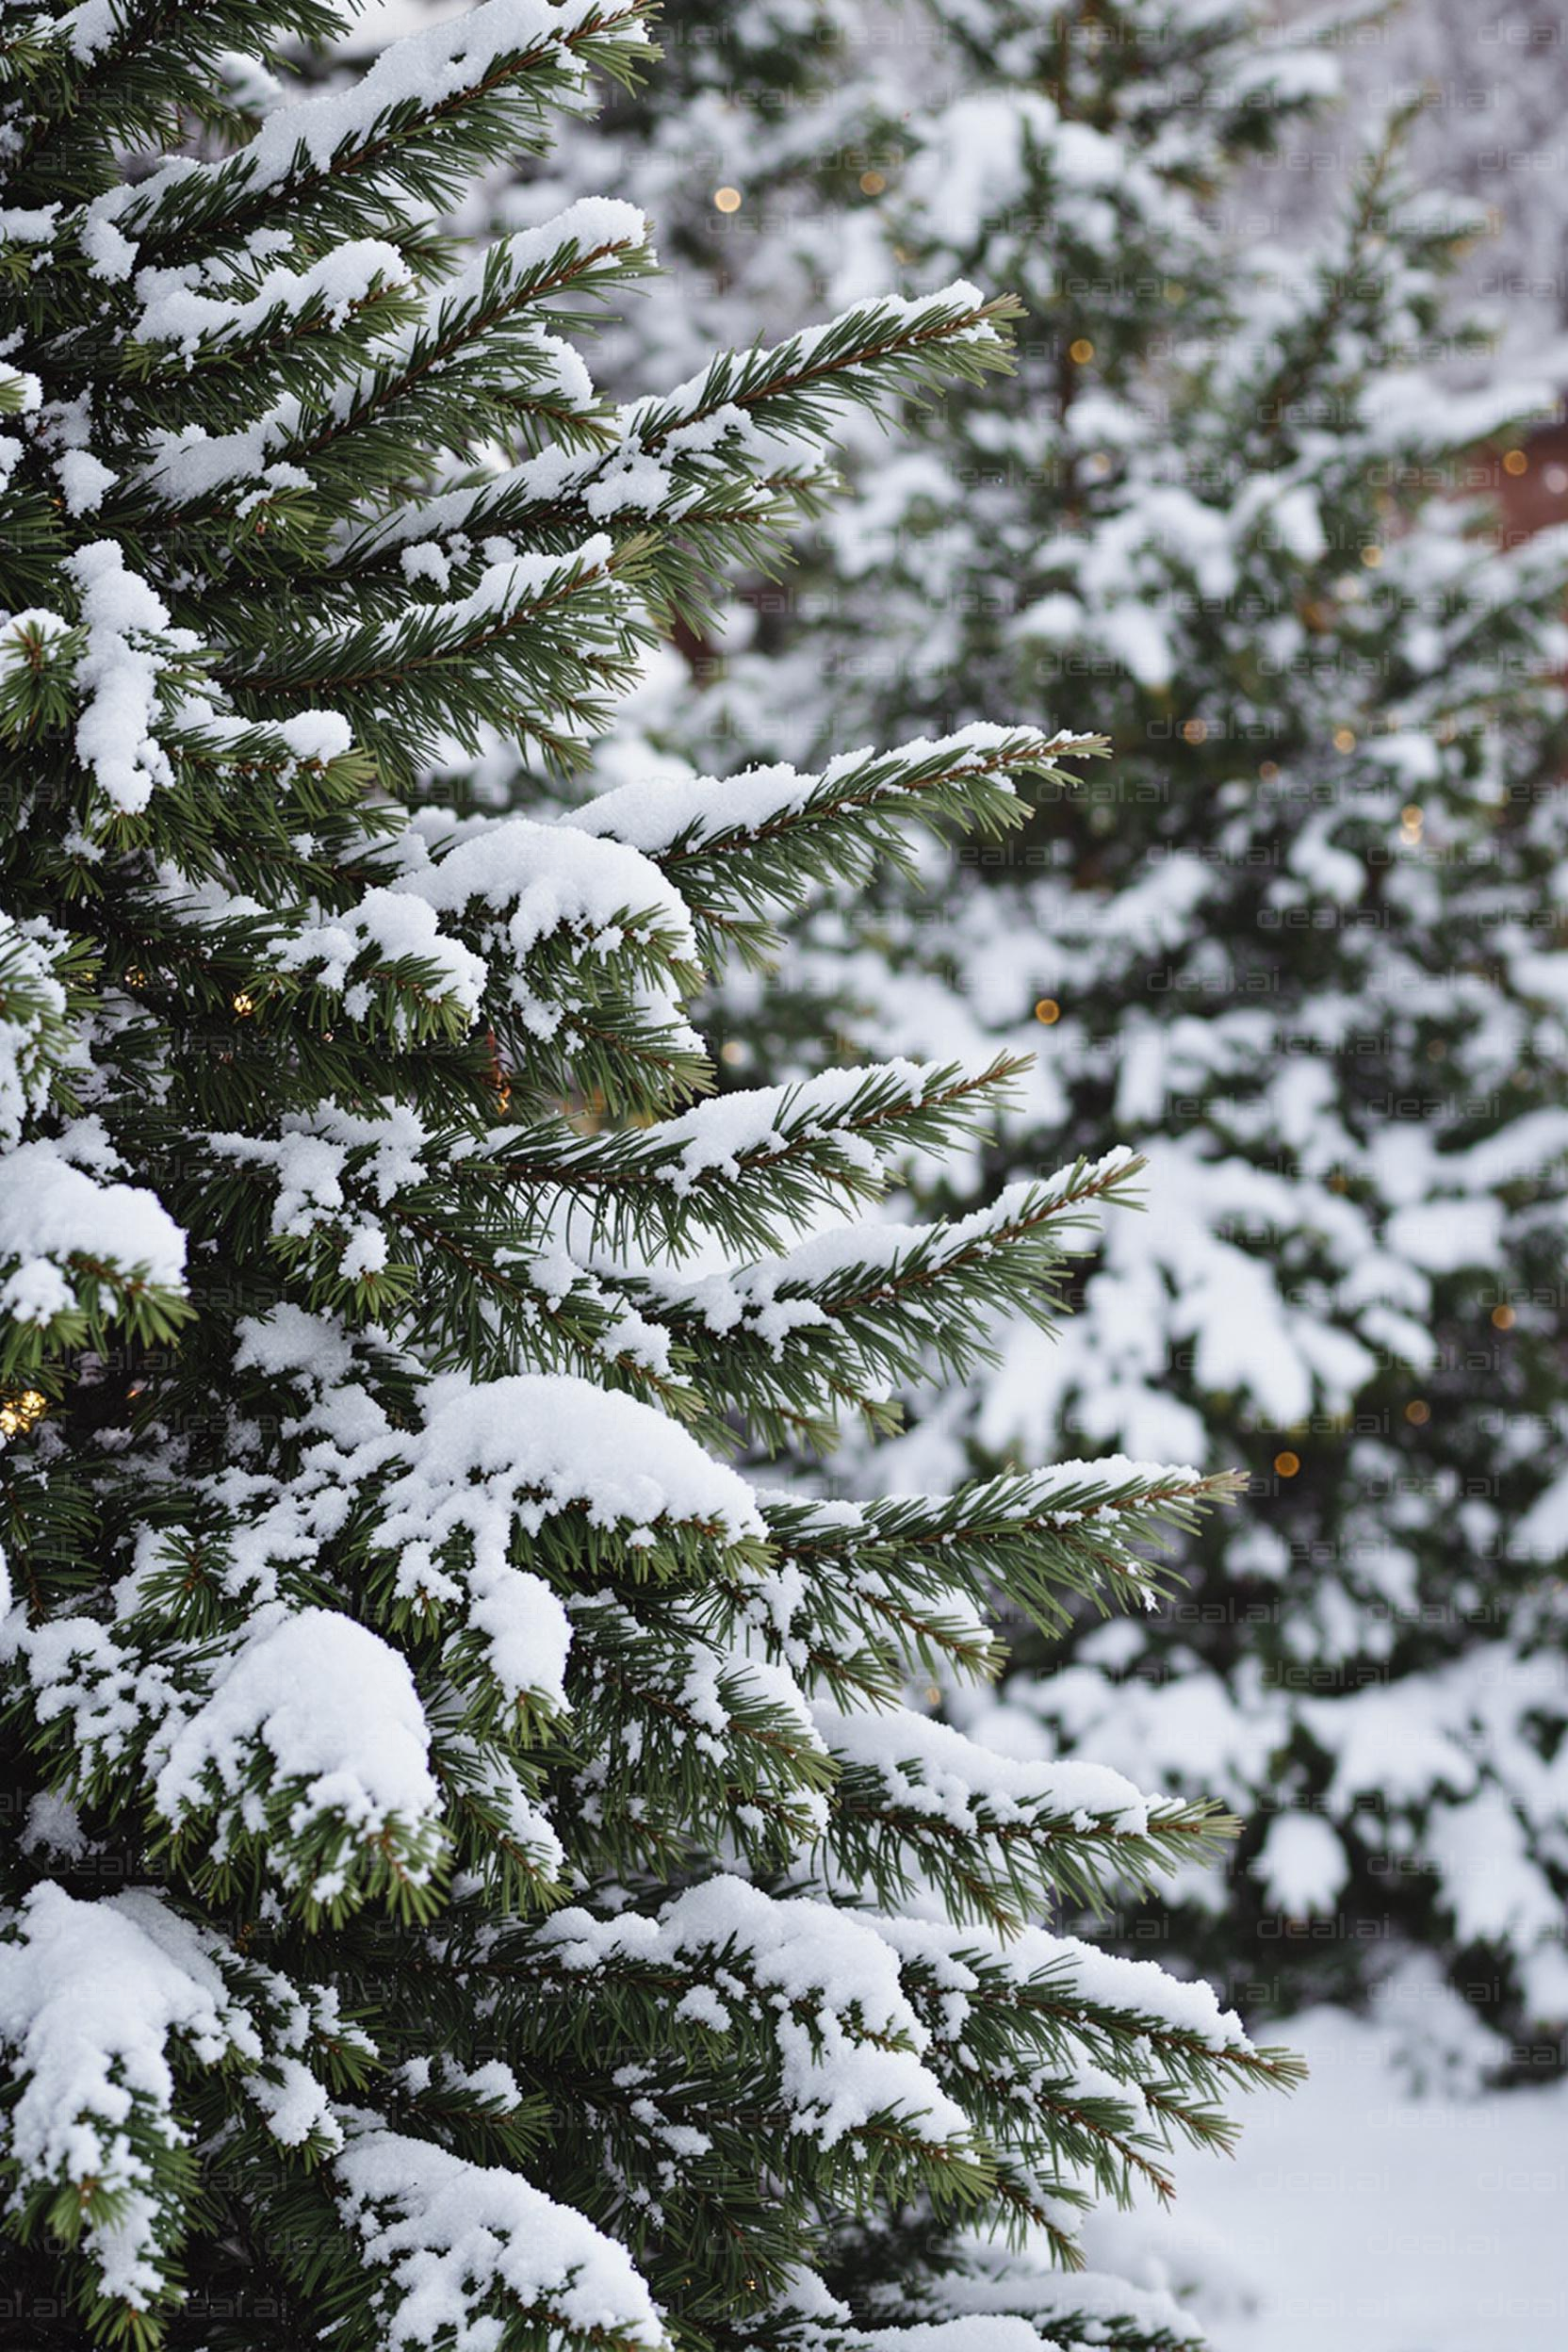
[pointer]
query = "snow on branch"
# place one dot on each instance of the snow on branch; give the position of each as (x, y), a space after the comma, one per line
(465, 2253)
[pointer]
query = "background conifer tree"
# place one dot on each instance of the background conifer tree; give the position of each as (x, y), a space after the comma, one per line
(485, 1872)
(1299, 936)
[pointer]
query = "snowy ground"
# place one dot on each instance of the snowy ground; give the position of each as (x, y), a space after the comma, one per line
(1376, 2222)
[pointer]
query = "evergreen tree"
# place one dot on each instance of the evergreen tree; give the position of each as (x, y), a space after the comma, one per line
(484, 1872)
(1295, 939)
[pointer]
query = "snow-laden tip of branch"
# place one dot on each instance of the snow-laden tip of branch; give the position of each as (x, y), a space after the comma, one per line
(173, 311)
(459, 2245)
(128, 644)
(54, 1217)
(332, 1707)
(655, 814)
(94, 1997)
(928, 1768)
(545, 877)
(849, 2042)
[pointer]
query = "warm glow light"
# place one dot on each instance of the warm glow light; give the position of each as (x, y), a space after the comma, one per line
(20, 1413)
(1048, 1010)
(1515, 461)
(1081, 351)
(244, 1005)
(871, 183)
(1418, 1412)
(1371, 557)
(1195, 730)
(1287, 1464)
(1503, 1319)
(728, 199)
(1344, 739)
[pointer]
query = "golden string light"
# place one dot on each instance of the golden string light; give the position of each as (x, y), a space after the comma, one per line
(22, 1413)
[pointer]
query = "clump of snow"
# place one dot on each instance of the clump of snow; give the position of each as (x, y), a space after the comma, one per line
(1302, 1864)
(91, 1996)
(545, 878)
(928, 1768)
(119, 672)
(334, 1708)
(511, 1454)
(52, 1213)
(32, 1000)
(848, 2040)
(389, 928)
(84, 480)
(25, 638)
(174, 311)
(457, 2243)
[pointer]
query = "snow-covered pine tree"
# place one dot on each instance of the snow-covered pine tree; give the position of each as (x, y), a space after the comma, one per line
(480, 1870)
(1297, 937)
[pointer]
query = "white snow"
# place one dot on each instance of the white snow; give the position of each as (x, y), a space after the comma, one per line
(82, 479)
(91, 1994)
(174, 311)
(549, 1442)
(1358, 2214)
(452, 2237)
(332, 1706)
(657, 811)
(928, 1768)
(389, 927)
(1302, 1864)
(53, 1213)
(431, 66)
(119, 671)
(794, 1952)
(545, 878)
